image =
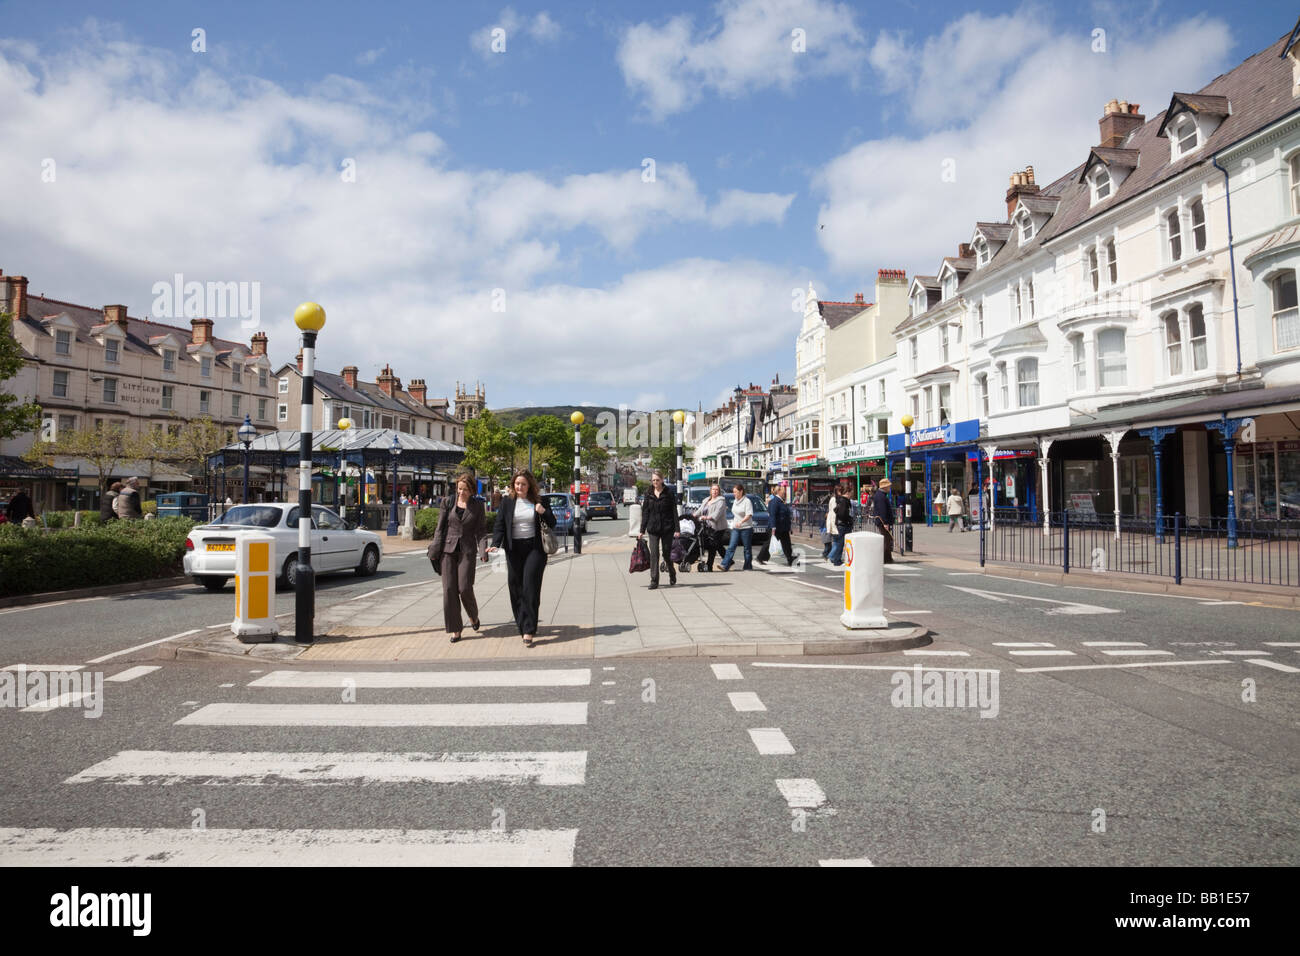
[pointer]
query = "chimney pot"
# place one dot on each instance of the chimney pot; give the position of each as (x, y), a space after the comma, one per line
(350, 376)
(1118, 121)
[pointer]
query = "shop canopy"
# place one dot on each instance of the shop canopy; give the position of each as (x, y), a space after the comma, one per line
(19, 469)
(364, 447)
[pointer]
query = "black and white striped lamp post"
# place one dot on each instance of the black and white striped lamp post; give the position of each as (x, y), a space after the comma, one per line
(309, 317)
(577, 418)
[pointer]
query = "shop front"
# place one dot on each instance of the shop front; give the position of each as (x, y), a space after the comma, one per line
(858, 466)
(945, 456)
(810, 479)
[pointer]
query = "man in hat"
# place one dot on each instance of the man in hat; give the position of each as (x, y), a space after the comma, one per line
(882, 512)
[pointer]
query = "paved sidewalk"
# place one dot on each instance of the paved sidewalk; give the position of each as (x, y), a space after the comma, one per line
(591, 606)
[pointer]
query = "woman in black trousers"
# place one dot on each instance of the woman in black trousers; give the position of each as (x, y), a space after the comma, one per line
(518, 529)
(659, 518)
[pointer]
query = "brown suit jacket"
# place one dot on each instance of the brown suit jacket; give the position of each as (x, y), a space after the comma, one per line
(473, 527)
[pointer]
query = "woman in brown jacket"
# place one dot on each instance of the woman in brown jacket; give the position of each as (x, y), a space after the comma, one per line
(458, 544)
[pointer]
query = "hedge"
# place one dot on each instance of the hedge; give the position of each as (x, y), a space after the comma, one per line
(65, 519)
(34, 560)
(426, 522)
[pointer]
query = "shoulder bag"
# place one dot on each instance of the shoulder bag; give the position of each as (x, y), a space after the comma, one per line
(550, 543)
(440, 538)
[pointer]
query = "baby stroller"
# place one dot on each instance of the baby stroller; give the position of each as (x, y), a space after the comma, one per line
(686, 548)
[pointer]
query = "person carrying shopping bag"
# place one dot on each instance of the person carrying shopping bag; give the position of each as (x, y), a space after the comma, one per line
(659, 519)
(520, 521)
(458, 545)
(882, 513)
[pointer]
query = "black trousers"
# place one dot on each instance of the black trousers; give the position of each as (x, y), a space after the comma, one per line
(783, 538)
(525, 564)
(661, 543)
(712, 543)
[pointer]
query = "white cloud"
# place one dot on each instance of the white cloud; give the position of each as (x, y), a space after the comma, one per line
(736, 206)
(231, 178)
(750, 46)
(368, 57)
(541, 28)
(887, 204)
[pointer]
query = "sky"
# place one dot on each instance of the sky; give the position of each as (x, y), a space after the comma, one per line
(607, 203)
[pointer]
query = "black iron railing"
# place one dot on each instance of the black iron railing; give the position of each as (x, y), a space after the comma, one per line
(1242, 550)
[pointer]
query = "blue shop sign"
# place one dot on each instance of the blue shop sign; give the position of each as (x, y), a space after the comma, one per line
(950, 434)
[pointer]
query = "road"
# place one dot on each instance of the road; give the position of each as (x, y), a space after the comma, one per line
(1121, 729)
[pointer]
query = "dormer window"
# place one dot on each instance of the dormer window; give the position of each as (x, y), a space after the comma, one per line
(62, 342)
(1101, 185)
(169, 360)
(110, 351)
(1026, 227)
(918, 302)
(950, 285)
(205, 367)
(1186, 136)
(981, 252)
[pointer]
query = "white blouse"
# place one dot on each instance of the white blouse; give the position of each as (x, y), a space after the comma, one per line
(523, 525)
(743, 512)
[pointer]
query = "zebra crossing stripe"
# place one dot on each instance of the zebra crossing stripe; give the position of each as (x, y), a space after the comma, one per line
(770, 740)
(1262, 662)
(746, 701)
(1041, 653)
(131, 673)
(1133, 653)
(387, 715)
(802, 793)
(54, 703)
(575, 677)
(726, 672)
(165, 768)
(147, 846)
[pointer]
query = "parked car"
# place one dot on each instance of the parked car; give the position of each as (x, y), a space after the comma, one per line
(601, 504)
(567, 512)
(336, 545)
(693, 498)
(762, 520)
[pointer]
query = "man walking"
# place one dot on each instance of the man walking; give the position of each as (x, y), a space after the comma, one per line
(781, 520)
(954, 511)
(882, 512)
(20, 507)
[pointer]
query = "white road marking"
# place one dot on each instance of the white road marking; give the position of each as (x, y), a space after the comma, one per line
(165, 768)
(140, 647)
(745, 700)
(362, 597)
(770, 740)
(820, 587)
(43, 667)
(1180, 597)
(1023, 644)
(1129, 652)
(862, 861)
(575, 677)
(225, 685)
(1041, 653)
(1242, 653)
(131, 673)
(413, 584)
(909, 612)
(1282, 643)
(607, 702)
(727, 672)
(1101, 667)
(607, 683)
(106, 846)
(1218, 603)
(386, 715)
(42, 607)
(1262, 662)
(1113, 644)
(607, 668)
(929, 653)
(1067, 607)
(802, 793)
(875, 667)
(63, 700)
(189, 703)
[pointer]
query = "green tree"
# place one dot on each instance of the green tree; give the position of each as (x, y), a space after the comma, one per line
(489, 449)
(194, 442)
(664, 458)
(105, 448)
(16, 417)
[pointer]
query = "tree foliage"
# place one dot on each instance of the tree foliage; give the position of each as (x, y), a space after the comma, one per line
(16, 417)
(105, 448)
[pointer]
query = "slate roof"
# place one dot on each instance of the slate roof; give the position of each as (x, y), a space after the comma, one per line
(836, 314)
(1021, 338)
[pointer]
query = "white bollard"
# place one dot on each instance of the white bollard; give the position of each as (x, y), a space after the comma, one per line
(254, 588)
(634, 520)
(864, 581)
(407, 530)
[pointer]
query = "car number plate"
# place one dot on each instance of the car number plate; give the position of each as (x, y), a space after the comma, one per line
(221, 547)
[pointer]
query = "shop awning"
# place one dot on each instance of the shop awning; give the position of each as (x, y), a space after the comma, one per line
(19, 469)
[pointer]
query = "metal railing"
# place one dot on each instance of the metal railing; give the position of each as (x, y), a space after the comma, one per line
(1242, 550)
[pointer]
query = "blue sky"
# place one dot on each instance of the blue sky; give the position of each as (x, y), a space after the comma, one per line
(522, 171)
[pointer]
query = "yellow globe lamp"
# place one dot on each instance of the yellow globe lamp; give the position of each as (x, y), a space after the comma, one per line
(577, 418)
(343, 424)
(679, 417)
(906, 421)
(309, 317)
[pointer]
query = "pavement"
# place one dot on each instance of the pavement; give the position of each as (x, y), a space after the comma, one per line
(591, 607)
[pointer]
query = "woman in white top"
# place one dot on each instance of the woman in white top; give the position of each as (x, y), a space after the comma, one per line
(742, 529)
(517, 529)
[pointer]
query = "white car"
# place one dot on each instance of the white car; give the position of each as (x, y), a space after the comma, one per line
(335, 545)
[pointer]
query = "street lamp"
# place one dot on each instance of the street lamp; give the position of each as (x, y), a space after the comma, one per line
(246, 435)
(310, 318)
(679, 418)
(906, 421)
(546, 466)
(394, 450)
(343, 424)
(577, 418)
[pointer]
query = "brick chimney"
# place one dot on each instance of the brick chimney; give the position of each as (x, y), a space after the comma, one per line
(259, 343)
(200, 331)
(859, 299)
(115, 315)
(15, 300)
(350, 376)
(1022, 184)
(386, 380)
(1119, 119)
(964, 251)
(418, 390)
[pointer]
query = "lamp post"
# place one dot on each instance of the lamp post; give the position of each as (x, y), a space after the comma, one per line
(246, 435)
(546, 466)
(394, 450)
(310, 318)
(906, 421)
(577, 418)
(679, 418)
(343, 424)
